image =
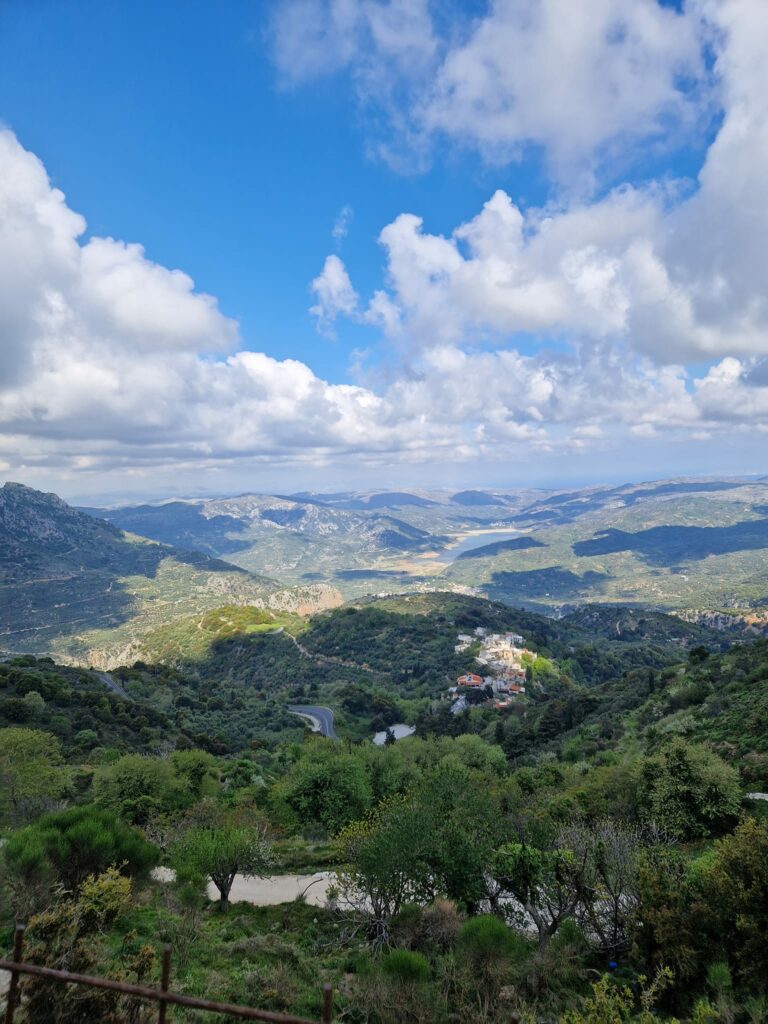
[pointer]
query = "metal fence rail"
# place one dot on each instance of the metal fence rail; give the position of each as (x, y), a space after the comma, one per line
(163, 996)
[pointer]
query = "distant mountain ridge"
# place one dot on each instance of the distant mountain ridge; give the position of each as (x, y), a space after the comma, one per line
(685, 543)
(74, 584)
(287, 537)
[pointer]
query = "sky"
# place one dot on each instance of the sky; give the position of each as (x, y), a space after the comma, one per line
(344, 244)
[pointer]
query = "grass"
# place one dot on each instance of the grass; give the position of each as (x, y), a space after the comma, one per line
(274, 958)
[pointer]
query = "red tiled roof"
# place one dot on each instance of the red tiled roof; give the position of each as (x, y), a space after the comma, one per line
(470, 679)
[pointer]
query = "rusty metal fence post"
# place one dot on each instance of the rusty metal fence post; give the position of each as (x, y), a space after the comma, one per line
(18, 941)
(163, 996)
(327, 1004)
(164, 980)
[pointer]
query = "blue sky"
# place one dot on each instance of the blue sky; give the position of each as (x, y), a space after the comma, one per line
(165, 123)
(578, 303)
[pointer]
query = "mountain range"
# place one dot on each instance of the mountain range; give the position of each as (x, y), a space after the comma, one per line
(77, 586)
(675, 544)
(95, 583)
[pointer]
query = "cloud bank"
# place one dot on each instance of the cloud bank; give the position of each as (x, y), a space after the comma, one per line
(639, 311)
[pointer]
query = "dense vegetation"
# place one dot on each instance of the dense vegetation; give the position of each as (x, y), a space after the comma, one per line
(589, 854)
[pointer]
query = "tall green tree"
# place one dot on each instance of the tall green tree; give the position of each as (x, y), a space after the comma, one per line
(688, 791)
(218, 845)
(735, 889)
(137, 787)
(32, 773)
(326, 787)
(70, 845)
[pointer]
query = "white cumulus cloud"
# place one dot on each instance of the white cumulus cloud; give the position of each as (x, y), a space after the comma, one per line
(578, 79)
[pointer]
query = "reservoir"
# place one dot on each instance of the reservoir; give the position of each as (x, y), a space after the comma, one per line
(476, 540)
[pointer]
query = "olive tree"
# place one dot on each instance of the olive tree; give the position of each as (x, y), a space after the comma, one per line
(219, 848)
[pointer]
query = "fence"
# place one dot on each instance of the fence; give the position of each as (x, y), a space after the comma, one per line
(163, 996)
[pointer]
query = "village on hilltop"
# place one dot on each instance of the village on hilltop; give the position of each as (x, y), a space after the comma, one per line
(504, 661)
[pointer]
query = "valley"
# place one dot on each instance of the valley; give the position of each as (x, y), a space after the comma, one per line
(685, 544)
(390, 728)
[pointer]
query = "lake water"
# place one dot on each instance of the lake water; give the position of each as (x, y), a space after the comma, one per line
(476, 540)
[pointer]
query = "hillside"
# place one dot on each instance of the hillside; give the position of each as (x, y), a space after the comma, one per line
(694, 545)
(78, 586)
(719, 699)
(294, 539)
(231, 673)
(683, 544)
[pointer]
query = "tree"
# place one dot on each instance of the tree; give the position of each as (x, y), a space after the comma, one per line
(609, 901)
(70, 845)
(668, 927)
(435, 840)
(545, 885)
(196, 768)
(137, 787)
(387, 865)
(219, 846)
(34, 702)
(32, 773)
(327, 786)
(735, 888)
(688, 791)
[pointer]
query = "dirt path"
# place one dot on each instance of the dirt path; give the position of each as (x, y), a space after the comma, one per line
(329, 659)
(269, 891)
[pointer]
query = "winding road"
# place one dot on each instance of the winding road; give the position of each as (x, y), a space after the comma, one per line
(320, 717)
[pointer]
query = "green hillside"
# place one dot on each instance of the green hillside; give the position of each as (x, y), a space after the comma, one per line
(232, 671)
(79, 587)
(688, 544)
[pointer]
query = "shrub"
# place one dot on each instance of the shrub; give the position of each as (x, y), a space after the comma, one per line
(486, 938)
(70, 845)
(430, 929)
(406, 967)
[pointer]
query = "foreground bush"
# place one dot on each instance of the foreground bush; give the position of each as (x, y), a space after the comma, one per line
(405, 966)
(68, 846)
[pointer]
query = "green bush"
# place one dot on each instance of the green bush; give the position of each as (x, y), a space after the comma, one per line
(486, 936)
(407, 967)
(70, 845)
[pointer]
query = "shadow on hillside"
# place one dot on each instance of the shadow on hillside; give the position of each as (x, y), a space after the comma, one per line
(50, 595)
(499, 547)
(553, 583)
(179, 524)
(668, 545)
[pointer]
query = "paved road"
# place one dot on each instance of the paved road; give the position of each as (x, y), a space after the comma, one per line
(320, 717)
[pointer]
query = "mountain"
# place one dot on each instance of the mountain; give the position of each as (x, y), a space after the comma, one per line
(476, 498)
(680, 544)
(693, 545)
(637, 625)
(181, 524)
(290, 538)
(79, 586)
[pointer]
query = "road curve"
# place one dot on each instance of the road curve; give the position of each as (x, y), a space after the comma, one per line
(320, 717)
